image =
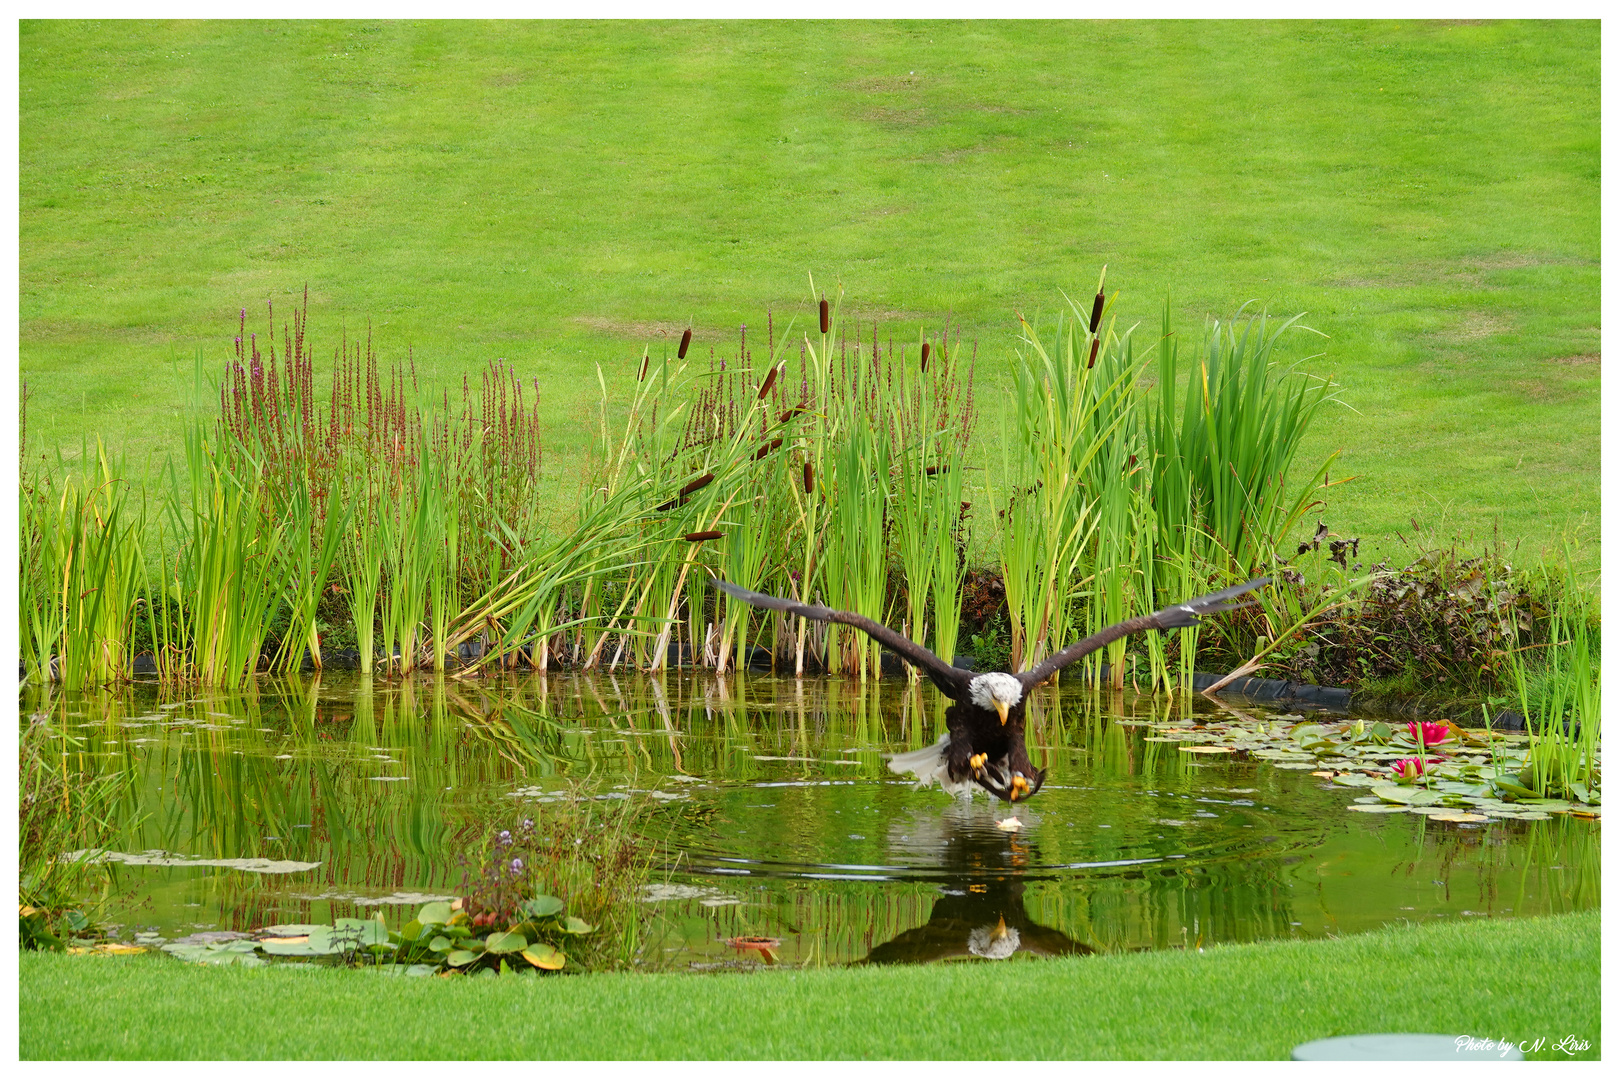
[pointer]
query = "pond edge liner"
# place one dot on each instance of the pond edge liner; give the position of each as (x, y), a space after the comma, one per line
(1337, 699)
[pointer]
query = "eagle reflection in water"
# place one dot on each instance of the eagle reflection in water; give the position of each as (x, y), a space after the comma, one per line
(980, 912)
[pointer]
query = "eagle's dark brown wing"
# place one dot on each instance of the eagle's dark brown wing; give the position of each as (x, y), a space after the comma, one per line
(952, 680)
(1176, 615)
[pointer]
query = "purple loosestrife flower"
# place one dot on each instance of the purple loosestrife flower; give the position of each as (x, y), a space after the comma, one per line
(517, 866)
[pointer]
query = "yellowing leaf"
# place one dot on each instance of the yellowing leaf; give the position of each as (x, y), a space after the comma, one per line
(546, 957)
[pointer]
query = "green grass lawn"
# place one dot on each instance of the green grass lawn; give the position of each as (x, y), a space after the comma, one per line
(1515, 979)
(561, 194)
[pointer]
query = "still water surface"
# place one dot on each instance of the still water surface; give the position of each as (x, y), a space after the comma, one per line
(303, 800)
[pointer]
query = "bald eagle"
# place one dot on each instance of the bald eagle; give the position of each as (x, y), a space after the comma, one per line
(984, 740)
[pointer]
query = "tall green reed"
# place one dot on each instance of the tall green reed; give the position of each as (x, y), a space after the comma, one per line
(932, 424)
(82, 563)
(224, 590)
(1565, 717)
(1242, 421)
(1072, 419)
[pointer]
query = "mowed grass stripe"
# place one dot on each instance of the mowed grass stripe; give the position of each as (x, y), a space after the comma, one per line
(1520, 979)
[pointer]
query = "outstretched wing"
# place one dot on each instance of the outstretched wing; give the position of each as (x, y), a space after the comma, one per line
(952, 680)
(1176, 615)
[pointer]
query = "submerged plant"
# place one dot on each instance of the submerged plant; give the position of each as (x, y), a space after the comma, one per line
(60, 811)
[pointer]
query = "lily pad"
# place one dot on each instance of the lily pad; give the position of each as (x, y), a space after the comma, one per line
(363, 932)
(1459, 817)
(573, 925)
(1356, 779)
(460, 958)
(1201, 749)
(237, 953)
(436, 912)
(293, 929)
(541, 906)
(1411, 796)
(544, 956)
(440, 943)
(1378, 808)
(505, 942)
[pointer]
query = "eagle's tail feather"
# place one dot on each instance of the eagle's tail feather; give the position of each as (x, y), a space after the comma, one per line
(930, 763)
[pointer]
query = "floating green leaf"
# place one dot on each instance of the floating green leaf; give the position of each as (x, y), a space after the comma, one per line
(322, 941)
(573, 925)
(545, 956)
(542, 906)
(360, 933)
(505, 942)
(460, 958)
(436, 912)
(238, 953)
(440, 943)
(1410, 796)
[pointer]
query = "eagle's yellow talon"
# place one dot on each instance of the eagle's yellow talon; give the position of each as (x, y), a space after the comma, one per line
(976, 762)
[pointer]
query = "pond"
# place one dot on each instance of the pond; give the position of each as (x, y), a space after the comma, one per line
(308, 799)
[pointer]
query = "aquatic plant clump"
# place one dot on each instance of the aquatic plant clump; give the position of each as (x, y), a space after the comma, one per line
(412, 528)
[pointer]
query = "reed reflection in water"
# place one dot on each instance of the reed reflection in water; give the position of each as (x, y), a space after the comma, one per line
(778, 816)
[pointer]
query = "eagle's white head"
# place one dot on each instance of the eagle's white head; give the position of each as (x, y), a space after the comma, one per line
(996, 690)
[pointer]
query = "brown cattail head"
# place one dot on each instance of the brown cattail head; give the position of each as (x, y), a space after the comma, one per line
(1096, 311)
(826, 317)
(935, 470)
(767, 448)
(770, 381)
(924, 364)
(696, 485)
(686, 341)
(707, 534)
(790, 413)
(1094, 343)
(809, 478)
(642, 374)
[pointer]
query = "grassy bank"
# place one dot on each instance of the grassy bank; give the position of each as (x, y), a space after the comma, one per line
(1514, 979)
(560, 194)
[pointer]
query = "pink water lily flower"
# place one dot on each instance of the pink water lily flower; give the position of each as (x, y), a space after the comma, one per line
(1407, 768)
(1431, 734)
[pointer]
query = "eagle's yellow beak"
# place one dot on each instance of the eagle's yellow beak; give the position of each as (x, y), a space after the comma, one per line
(1001, 709)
